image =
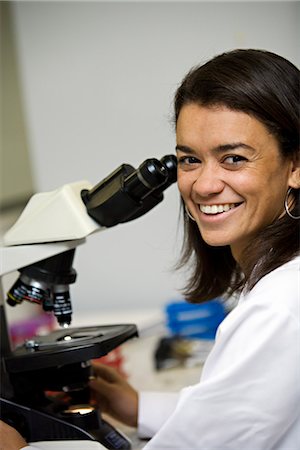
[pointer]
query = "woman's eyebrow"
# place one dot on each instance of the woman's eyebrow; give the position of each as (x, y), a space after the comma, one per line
(185, 149)
(218, 149)
(233, 146)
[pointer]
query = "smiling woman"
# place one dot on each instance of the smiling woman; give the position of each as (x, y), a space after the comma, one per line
(237, 128)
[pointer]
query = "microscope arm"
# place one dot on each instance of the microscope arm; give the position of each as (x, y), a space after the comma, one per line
(18, 256)
(52, 217)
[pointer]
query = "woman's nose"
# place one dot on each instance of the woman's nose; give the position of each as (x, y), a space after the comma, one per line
(208, 182)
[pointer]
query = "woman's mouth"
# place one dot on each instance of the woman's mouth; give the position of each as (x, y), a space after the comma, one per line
(217, 209)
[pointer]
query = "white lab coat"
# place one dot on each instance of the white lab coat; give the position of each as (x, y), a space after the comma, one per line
(248, 397)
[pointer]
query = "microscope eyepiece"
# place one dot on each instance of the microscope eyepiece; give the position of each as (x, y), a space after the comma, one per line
(170, 163)
(152, 173)
(129, 193)
(149, 176)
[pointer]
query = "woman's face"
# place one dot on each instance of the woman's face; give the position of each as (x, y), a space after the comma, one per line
(231, 175)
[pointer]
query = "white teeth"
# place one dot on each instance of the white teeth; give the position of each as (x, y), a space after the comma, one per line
(215, 209)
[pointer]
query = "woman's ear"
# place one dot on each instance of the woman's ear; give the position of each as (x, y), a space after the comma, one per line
(294, 178)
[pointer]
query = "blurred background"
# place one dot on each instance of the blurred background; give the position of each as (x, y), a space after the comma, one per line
(86, 86)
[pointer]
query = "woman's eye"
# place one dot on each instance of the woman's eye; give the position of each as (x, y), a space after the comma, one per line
(187, 160)
(234, 160)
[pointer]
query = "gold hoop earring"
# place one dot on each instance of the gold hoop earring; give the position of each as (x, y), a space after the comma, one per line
(189, 214)
(286, 206)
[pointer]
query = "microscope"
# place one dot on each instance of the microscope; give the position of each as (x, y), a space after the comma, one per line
(44, 381)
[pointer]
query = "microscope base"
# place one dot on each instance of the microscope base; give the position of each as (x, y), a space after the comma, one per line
(39, 426)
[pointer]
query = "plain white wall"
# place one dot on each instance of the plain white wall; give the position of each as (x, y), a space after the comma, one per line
(98, 81)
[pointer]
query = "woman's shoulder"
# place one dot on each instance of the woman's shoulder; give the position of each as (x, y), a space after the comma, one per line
(287, 271)
(293, 264)
(279, 288)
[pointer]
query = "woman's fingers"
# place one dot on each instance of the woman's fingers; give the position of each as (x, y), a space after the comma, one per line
(114, 394)
(105, 372)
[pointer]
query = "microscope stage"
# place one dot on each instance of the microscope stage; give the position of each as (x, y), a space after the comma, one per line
(68, 345)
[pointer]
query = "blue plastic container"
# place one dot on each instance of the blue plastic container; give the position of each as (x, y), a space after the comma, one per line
(195, 320)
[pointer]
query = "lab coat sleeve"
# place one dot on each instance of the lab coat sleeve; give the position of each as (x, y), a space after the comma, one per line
(154, 409)
(249, 394)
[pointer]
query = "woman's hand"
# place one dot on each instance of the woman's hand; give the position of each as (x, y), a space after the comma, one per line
(10, 439)
(114, 395)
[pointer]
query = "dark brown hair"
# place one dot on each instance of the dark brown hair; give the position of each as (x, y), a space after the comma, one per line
(266, 86)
